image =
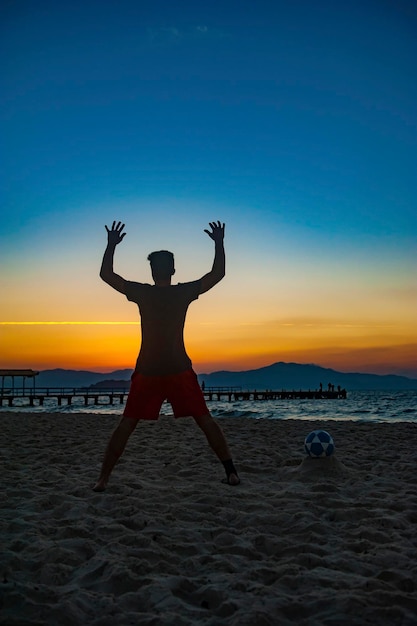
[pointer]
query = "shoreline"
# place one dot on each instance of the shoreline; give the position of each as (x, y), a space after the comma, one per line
(323, 422)
(300, 541)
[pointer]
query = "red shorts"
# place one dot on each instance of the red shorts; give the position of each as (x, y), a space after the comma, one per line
(147, 393)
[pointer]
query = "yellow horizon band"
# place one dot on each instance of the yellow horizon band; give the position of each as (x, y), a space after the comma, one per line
(66, 323)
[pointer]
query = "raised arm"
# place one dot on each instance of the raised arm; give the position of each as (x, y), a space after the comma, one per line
(115, 235)
(219, 264)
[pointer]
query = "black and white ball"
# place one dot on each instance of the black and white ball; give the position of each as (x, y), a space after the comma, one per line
(318, 444)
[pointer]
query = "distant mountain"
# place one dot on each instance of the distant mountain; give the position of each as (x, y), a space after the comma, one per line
(297, 376)
(111, 384)
(276, 376)
(75, 378)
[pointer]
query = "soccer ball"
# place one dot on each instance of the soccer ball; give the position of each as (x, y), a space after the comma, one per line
(319, 444)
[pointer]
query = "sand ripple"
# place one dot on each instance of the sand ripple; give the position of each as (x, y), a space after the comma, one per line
(301, 542)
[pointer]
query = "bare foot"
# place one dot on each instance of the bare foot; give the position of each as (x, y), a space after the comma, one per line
(101, 485)
(232, 479)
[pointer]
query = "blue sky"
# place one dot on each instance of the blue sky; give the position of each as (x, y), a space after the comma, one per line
(293, 122)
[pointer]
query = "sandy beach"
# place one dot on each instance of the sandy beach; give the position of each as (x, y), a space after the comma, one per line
(300, 541)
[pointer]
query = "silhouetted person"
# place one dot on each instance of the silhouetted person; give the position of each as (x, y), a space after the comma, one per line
(163, 368)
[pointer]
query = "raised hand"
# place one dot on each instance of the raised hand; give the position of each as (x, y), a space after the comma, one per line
(217, 231)
(115, 234)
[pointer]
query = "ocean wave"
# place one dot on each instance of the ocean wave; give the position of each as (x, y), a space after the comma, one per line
(359, 406)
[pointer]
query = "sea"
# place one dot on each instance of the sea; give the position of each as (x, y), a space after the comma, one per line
(359, 406)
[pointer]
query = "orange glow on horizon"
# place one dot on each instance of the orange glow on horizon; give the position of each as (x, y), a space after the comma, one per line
(68, 323)
(109, 346)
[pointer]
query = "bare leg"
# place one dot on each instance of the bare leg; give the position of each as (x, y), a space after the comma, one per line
(114, 450)
(217, 442)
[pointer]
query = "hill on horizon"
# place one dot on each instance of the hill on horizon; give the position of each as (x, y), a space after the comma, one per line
(277, 376)
(305, 376)
(77, 378)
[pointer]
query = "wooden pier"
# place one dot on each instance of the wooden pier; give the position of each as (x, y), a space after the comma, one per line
(66, 395)
(239, 395)
(37, 397)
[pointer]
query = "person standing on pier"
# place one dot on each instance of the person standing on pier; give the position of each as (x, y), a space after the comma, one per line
(163, 369)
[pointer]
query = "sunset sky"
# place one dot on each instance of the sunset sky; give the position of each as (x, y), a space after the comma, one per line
(292, 122)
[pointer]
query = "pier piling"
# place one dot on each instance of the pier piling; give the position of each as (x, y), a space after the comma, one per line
(107, 396)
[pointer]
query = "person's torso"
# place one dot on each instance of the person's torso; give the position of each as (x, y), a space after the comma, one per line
(163, 311)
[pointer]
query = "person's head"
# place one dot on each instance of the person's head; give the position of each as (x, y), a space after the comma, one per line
(162, 265)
